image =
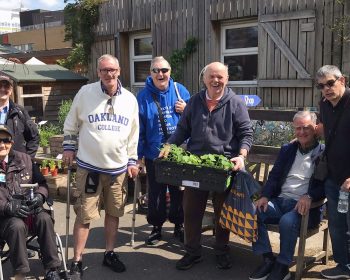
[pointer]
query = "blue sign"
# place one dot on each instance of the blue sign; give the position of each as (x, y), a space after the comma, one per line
(250, 100)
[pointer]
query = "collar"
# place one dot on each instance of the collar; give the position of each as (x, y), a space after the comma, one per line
(5, 108)
(307, 150)
(118, 91)
(208, 98)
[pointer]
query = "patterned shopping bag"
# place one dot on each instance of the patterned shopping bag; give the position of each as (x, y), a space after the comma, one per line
(238, 212)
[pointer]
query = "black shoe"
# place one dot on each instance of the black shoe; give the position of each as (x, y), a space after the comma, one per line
(223, 261)
(111, 260)
(76, 270)
(155, 236)
(52, 275)
(264, 270)
(179, 232)
(187, 261)
(336, 273)
(279, 272)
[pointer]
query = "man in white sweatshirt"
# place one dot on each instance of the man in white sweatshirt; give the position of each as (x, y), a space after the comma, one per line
(105, 117)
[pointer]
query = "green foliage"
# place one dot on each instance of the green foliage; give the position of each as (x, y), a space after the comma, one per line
(52, 164)
(178, 57)
(45, 132)
(44, 163)
(179, 155)
(81, 17)
(63, 112)
(75, 60)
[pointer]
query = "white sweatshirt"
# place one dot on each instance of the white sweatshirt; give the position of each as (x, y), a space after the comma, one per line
(107, 141)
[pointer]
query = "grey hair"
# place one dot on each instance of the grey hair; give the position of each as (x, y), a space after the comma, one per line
(158, 59)
(328, 70)
(304, 115)
(205, 69)
(107, 57)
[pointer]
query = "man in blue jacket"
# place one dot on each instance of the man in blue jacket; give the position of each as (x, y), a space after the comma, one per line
(161, 103)
(287, 196)
(215, 121)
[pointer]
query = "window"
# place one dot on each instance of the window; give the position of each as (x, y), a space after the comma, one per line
(239, 51)
(33, 101)
(140, 58)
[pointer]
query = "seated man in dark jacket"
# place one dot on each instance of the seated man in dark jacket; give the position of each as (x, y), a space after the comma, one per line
(19, 213)
(287, 195)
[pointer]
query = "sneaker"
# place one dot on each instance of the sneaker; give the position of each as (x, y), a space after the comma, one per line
(279, 272)
(179, 232)
(336, 273)
(76, 270)
(187, 261)
(155, 236)
(264, 270)
(223, 261)
(111, 260)
(52, 275)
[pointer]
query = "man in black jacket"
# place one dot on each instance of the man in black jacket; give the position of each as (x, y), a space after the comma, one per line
(20, 213)
(26, 135)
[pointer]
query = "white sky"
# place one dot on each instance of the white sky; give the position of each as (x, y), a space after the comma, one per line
(50, 5)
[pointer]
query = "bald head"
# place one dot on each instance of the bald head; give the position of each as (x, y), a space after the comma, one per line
(215, 78)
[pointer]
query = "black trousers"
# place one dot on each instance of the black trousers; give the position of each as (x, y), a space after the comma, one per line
(15, 232)
(157, 213)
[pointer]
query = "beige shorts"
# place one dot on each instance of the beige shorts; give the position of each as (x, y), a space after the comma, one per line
(113, 194)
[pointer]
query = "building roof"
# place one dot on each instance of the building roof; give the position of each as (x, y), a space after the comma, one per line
(34, 61)
(39, 73)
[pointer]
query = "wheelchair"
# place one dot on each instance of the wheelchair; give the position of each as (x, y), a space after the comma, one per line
(33, 245)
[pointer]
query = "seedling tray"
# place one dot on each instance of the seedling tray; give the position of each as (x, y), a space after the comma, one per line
(191, 176)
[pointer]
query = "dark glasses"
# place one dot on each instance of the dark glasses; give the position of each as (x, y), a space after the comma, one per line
(157, 70)
(6, 85)
(5, 140)
(328, 84)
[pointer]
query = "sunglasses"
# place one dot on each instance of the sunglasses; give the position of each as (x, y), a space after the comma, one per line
(108, 70)
(111, 108)
(328, 84)
(157, 70)
(5, 85)
(5, 140)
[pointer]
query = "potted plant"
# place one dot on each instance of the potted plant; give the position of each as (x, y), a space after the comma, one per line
(45, 133)
(44, 168)
(53, 168)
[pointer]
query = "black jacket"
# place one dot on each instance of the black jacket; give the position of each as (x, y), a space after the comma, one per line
(20, 170)
(26, 134)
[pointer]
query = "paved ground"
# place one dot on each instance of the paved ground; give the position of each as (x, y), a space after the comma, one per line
(157, 262)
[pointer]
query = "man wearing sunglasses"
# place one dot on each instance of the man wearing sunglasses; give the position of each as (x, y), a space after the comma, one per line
(17, 209)
(105, 116)
(334, 125)
(25, 131)
(161, 103)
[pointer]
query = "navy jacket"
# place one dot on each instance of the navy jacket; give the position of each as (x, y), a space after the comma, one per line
(280, 170)
(223, 131)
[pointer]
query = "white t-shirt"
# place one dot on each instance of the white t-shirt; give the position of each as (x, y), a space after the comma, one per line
(297, 181)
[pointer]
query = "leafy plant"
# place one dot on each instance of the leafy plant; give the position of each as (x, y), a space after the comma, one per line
(63, 112)
(81, 17)
(179, 155)
(44, 163)
(52, 164)
(45, 132)
(178, 57)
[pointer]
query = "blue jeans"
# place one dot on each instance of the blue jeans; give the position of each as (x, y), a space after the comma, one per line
(279, 211)
(338, 227)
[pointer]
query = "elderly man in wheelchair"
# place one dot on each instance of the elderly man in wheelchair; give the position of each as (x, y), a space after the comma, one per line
(21, 211)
